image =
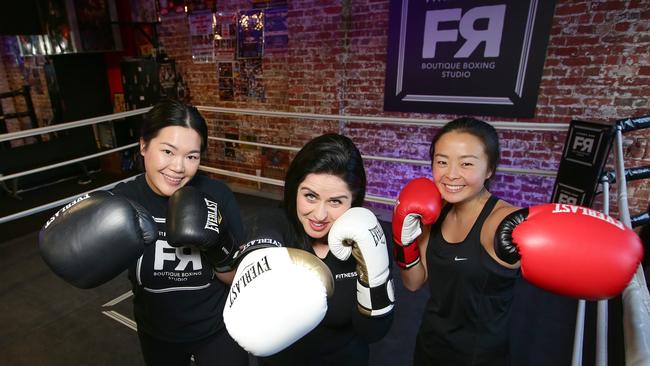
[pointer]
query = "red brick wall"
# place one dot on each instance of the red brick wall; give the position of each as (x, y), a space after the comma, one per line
(597, 69)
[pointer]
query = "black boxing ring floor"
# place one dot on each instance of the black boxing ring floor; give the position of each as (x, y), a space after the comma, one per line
(44, 321)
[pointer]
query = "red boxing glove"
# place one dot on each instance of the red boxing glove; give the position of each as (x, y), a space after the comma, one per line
(418, 203)
(570, 250)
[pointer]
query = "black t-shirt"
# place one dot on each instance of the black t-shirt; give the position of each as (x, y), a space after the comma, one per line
(177, 296)
(343, 335)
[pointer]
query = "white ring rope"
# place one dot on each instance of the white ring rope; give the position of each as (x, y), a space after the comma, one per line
(67, 162)
(275, 182)
(278, 182)
(545, 173)
(259, 144)
(291, 148)
(515, 126)
(58, 203)
(558, 127)
(68, 125)
(636, 298)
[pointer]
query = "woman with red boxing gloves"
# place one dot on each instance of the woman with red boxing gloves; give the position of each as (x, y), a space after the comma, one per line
(466, 318)
(473, 246)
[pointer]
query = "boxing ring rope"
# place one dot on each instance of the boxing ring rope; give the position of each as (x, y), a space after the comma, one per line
(57, 203)
(67, 162)
(543, 173)
(602, 313)
(69, 125)
(635, 297)
(512, 126)
(557, 127)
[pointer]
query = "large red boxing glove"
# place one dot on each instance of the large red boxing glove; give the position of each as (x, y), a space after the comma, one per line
(570, 250)
(418, 203)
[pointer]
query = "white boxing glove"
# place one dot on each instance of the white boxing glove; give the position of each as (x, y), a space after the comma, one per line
(278, 295)
(358, 232)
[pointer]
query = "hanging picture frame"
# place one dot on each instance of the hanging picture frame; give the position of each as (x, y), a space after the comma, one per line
(250, 34)
(225, 36)
(225, 75)
(202, 36)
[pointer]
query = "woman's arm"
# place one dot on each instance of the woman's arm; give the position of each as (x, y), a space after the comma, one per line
(415, 277)
(225, 277)
(235, 226)
(489, 229)
(233, 216)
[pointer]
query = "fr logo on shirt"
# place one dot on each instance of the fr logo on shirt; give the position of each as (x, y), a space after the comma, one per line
(183, 255)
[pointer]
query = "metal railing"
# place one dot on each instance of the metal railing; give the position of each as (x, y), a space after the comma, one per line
(636, 299)
(251, 177)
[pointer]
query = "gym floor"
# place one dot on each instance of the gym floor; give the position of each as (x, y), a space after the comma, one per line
(45, 321)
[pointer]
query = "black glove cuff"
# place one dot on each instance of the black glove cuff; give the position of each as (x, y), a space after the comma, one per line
(504, 246)
(252, 245)
(376, 301)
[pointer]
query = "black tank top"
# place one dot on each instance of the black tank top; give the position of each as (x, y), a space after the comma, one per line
(467, 316)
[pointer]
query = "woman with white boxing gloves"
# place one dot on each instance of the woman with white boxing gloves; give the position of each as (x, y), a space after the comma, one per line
(313, 283)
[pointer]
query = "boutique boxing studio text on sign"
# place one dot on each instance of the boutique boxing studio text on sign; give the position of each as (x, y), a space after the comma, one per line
(466, 57)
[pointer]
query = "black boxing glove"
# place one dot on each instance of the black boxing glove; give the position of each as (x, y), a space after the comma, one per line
(193, 218)
(94, 238)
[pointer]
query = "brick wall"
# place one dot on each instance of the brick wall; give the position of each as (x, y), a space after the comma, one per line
(597, 68)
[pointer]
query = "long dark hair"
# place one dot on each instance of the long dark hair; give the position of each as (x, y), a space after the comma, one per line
(481, 130)
(170, 112)
(327, 154)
